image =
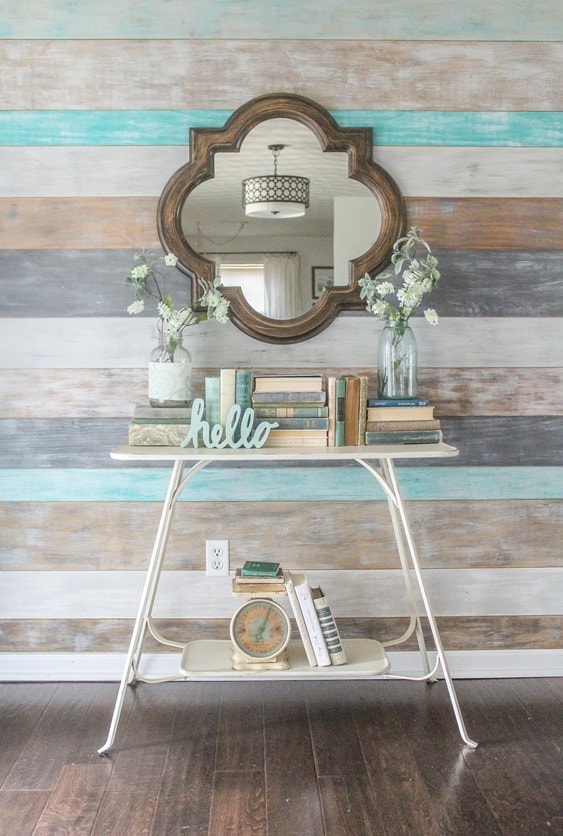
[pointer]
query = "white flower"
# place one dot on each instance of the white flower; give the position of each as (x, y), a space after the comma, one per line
(431, 316)
(384, 289)
(164, 311)
(140, 272)
(170, 260)
(136, 307)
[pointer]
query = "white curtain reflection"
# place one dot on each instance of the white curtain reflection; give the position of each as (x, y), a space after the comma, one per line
(281, 286)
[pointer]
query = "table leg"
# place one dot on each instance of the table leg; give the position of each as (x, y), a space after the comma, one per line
(426, 603)
(146, 602)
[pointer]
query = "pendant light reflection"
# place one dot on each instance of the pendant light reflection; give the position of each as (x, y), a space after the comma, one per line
(275, 195)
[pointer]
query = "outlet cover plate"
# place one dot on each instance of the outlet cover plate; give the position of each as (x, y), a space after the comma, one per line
(216, 557)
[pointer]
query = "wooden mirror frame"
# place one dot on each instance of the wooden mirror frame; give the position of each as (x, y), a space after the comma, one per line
(356, 142)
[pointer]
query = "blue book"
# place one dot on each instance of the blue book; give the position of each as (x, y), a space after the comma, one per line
(243, 388)
(297, 423)
(212, 410)
(397, 402)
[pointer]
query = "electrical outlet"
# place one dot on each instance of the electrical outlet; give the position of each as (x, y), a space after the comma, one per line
(216, 557)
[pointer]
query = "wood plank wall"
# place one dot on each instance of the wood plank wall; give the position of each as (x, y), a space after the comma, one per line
(465, 104)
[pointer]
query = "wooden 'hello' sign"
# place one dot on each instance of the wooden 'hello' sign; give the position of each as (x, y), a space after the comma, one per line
(239, 430)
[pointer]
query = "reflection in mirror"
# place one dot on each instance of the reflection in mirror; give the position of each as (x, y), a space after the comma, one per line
(272, 259)
(356, 214)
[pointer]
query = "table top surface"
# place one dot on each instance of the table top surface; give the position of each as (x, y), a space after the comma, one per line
(288, 454)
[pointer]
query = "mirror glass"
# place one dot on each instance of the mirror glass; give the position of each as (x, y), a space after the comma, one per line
(297, 273)
(282, 264)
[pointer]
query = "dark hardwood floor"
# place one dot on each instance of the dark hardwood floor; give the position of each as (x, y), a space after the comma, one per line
(281, 759)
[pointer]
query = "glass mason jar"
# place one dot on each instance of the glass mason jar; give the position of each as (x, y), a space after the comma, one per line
(396, 361)
(170, 373)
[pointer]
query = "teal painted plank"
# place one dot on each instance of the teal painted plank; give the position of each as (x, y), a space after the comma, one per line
(345, 484)
(226, 19)
(541, 129)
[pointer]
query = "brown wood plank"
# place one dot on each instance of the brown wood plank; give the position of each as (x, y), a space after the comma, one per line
(112, 393)
(126, 814)
(350, 805)
(336, 746)
(240, 742)
(331, 535)
(39, 763)
(117, 223)
(184, 799)
(239, 803)
(521, 783)
(75, 800)
(293, 803)
(149, 731)
(455, 75)
(425, 714)
(19, 716)
(20, 810)
(112, 635)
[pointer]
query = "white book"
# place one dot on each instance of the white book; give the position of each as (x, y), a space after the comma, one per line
(227, 392)
(328, 626)
(299, 620)
(311, 618)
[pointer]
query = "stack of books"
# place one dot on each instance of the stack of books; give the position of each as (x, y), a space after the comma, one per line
(222, 391)
(298, 403)
(401, 421)
(157, 426)
(347, 403)
(311, 610)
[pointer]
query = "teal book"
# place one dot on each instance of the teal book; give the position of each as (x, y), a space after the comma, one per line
(243, 388)
(397, 402)
(260, 569)
(291, 411)
(212, 388)
(309, 398)
(404, 437)
(340, 412)
(161, 414)
(297, 423)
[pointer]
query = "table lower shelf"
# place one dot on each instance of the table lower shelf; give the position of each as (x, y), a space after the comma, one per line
(211, 659)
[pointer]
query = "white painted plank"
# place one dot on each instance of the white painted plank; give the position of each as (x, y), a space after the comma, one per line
(107, 171)
(108, 667)
(349, 342)
(366, 593)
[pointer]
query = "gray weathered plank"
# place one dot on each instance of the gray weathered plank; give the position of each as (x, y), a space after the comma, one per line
(86, 442)
(50, 283)
(89, 74)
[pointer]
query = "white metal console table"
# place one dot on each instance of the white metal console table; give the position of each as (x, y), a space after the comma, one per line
(205, 659)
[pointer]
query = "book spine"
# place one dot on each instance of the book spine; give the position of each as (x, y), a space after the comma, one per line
(299, 620)
(212, 414)
(329, 628)
(312, 622)
(227, 393)
(316, 397)
(291, 411)
(340, 412)
(260, 568)
(406, 437)
(362, 409)
(397, 402)
(243, 388)
(296, 442)
(390, 426)
(299, 423)
(162, 414)
(331, 409)
(288, 383)
(157, 435)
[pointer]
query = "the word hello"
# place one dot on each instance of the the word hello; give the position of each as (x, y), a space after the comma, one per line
(237, 432)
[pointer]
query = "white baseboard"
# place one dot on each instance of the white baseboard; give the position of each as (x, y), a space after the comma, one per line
(107, 667)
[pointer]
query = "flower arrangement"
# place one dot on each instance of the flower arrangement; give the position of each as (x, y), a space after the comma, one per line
(420, 275)
(147, 278)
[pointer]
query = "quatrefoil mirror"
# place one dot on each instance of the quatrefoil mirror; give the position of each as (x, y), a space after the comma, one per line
(307, 266)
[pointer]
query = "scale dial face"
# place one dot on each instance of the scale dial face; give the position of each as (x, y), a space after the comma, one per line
(260, 629)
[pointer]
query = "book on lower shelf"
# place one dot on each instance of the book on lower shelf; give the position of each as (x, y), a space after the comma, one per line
(328, 626)
(404, 437)
(311, 618)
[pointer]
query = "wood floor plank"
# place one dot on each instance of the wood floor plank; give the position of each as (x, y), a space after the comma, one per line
(20, 711)
(20, 811)
(240, 744)
(126, 814)
(293, 803)
(287, 733)
(522, 785)
(184, 799)
(349, 806)
(239, 804)
(427, 719)
(73, 805)
(336, 746)
(39, 763)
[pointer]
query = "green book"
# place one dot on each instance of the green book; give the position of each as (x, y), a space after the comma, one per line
(260, 569)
